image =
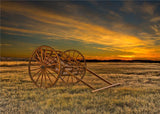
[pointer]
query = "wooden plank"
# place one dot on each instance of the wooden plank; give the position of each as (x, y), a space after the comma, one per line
(79, 79)
(113, 85)
(98, 76)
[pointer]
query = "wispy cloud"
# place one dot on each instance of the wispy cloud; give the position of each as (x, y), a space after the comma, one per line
(156, 29)
(2, 44)
(74, 29)
(155, 19)
(58, 26)
(139, 7)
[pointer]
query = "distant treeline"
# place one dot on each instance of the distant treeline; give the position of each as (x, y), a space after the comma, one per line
(117, 60)
(13, 59)
(92, 60)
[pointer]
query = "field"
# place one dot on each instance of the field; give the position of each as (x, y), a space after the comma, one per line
(139, 92)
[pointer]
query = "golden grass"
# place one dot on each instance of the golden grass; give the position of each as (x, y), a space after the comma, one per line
(140, 92)
(12, 63)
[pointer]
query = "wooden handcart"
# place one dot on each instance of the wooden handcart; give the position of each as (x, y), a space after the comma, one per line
(47, 66)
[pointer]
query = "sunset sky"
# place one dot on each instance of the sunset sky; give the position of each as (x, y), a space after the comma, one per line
(119, 29)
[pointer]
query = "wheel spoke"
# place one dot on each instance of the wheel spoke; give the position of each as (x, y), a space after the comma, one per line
(77, 56)
(35, 69)
(36, 73)
(50, 54)
(41, 80)
(35, 62)
(45, 79)
(51, 74)
(38, 57)
(51, 60)
(69, 58)
(45, 55)
(73, 53)
(53, 64)
(49, 78)
(62, 79)
(72, 79)
(42, 55)
(38, 77)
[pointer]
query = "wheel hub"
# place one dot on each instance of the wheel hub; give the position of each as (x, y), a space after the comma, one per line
(43, 68)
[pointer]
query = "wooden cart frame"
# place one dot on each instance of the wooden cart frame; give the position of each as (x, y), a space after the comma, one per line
(47, 65)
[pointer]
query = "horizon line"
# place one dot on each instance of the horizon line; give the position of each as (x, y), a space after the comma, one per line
(87, 60)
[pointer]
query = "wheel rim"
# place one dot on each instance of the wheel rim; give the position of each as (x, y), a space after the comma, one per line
(44, 67)
(76, 65)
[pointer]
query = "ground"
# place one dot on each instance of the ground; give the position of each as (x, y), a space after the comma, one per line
(139, 92)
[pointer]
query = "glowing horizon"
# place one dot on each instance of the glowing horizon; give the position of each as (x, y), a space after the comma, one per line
(129, 31)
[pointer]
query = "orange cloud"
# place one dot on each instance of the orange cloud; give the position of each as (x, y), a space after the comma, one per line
(51, 25)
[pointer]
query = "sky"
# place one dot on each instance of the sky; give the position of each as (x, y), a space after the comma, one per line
(117, 29)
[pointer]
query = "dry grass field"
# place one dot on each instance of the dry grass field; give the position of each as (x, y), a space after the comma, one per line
(138, 94)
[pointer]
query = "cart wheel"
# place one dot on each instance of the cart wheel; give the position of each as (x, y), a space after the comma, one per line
(44, 67)
(74, 63)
